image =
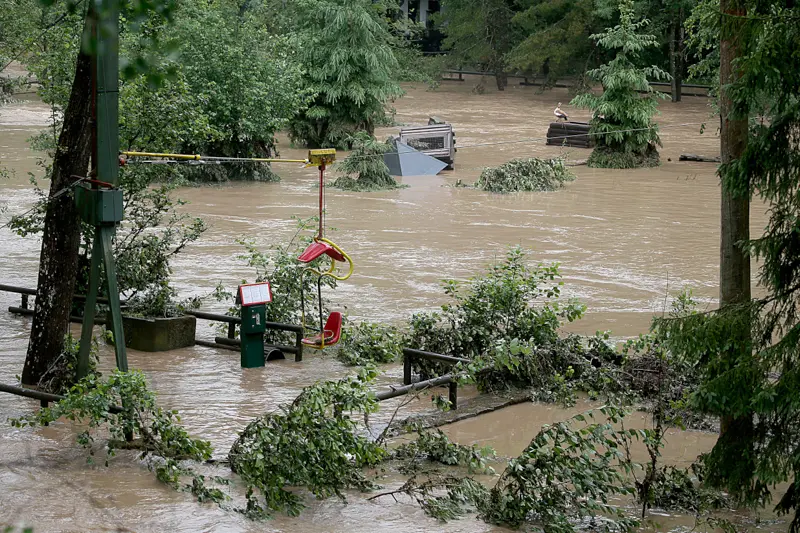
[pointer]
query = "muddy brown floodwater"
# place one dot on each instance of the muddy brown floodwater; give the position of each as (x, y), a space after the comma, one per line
(624, 240)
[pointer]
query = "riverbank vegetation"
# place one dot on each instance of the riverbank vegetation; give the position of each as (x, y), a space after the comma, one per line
(327, 71)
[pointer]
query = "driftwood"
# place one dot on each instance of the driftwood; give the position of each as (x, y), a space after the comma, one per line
(698, 158)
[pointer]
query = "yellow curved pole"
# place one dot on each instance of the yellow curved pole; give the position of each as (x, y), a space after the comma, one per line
(330, 270)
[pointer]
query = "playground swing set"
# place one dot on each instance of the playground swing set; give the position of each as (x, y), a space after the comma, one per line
(253, 297)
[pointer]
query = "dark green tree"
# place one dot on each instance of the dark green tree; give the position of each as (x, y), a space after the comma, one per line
(347, 54)
(556, 42)
(364, 169)
(748, 349)
(480, 33)
(623, 126)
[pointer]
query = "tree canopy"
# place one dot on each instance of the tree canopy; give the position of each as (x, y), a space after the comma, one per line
(346, 53)
(622, 124)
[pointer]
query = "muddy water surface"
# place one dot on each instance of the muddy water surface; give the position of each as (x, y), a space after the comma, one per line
(624, 239)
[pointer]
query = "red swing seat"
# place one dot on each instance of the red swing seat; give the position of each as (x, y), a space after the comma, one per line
(332, 330)
(318, 248)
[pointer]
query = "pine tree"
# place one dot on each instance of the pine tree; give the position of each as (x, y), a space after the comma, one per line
(364, 169)
(347, 54)
(625, 134)
(749, 350)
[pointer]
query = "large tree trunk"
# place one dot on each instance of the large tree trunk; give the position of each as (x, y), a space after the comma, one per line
(734, 266)
(58, 262)
(501, 77)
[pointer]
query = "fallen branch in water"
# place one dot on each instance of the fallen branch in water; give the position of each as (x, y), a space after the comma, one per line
(698, 158)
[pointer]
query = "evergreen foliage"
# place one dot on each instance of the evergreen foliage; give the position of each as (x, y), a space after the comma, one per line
(480, 33)
(625, 134)
(748, 352)
(364, 169)
(531, 174)
(556, 37)
(346, 52)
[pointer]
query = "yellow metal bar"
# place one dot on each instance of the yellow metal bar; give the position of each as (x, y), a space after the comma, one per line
(151, 154)
(198, 157)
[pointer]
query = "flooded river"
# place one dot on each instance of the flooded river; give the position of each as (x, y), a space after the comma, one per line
(624, 240)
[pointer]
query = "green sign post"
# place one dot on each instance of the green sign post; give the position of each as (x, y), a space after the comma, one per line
(253, 299)
(100, 203)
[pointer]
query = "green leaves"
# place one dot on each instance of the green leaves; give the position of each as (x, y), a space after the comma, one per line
(95, 403)
(525, 175)
(369, 343)
(435, 446)
(313, 442)
(565, 475)
(346, 52)
(622, 125)
(510, 301)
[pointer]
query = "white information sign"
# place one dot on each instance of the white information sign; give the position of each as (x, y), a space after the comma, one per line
(256, 293)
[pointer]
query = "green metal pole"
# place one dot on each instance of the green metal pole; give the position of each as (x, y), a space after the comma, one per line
(89, 309)
(106, 233)
(105, 30)
(108, 91)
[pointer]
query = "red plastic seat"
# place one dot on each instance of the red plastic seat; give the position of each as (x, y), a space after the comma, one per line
(333, 332)
(318, 248)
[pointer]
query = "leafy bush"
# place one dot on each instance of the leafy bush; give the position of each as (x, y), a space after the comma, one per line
(525, 175)
(127, 409)
(313, 442)
(366, 163)
(367, 343)
(434, 445)
(159, 302)
(681, 489)
(566, 475)
(496, 305)
(152, 232)
(554, 371)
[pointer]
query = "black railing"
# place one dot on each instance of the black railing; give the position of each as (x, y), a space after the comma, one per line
(26, 310)
(451, 380)
(232, 343)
